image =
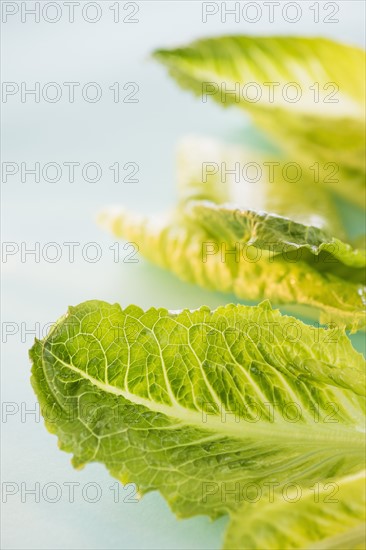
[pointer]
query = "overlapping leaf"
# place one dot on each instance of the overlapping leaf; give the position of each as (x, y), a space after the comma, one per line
(323, 121)
(327, 515)
(255, 255)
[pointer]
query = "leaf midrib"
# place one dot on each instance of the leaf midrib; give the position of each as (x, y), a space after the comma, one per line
(273, 431)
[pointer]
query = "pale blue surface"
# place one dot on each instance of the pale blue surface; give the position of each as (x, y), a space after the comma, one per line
(146, 133)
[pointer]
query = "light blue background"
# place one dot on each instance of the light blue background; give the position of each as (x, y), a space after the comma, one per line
(146, 133)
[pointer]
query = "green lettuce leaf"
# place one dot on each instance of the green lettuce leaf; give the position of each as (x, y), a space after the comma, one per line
(214, 240)
(254, 180)
(194, 403)
(278, 234)
(207, 175)
(329, 515)
(326, 125)
(304, 266)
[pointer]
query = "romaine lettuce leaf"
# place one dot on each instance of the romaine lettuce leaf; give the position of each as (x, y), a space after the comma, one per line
(197, 402)
(254, 180)
(326, 275)
(213, 240)
(329, 515)
(278, 216)
(278, 235)
(321, 119)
